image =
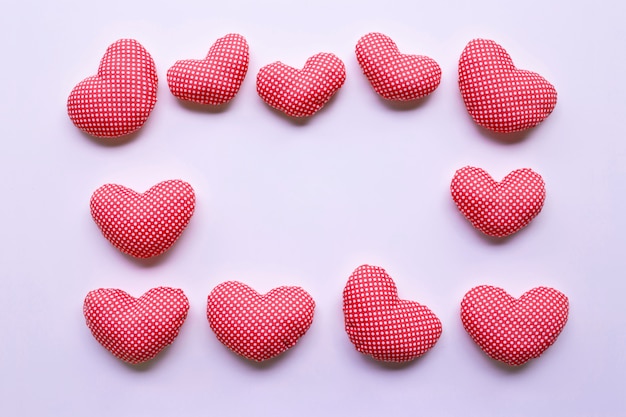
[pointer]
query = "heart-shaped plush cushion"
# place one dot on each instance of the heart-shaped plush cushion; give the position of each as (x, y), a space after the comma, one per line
(118, 100)
(382, 325)
(514, 330)
(147, 224)
(393, 75)
(215, 79)
(502, 208)
(301, 92)
(499, 96)
(135, 329)
(256, 326)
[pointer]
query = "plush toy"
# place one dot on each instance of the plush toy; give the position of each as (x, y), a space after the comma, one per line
(256, 326)
(135, 329)
(215, 79)
(382, 325)
(147, 224)
(119, 98)
(499, 96)
(393, 75)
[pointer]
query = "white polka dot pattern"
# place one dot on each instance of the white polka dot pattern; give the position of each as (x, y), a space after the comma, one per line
(135, 329)
(382, 325)
(499, 96)
(511, 330)
(118, 100)
(147, 224)
(393, 75)
(301, 92)
(255, 326)
(216, 79)
(498, 209)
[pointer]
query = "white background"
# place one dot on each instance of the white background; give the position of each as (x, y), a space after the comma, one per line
(284, 203)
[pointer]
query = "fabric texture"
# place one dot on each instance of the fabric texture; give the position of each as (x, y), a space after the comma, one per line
(499, 96)
(120, 97)
(147, 224)
(514, 330)
(393, 75)
(382, 325)
(135, 330)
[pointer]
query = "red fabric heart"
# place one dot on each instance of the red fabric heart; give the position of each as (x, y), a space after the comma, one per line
(135, 329)
(382, 325)
(301, 92)
(512, 330)
(118, 100)
(147, 224)
(499, 96)
(393, 75)
(255, 326)
(217, 78)
(498, 209)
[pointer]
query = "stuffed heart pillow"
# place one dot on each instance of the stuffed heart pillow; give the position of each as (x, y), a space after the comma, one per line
(499, 96)
(215, 79)
(514, 330)
(382, 325)
(498, 209)
(259, 326)
(119, 98)
(147, 224)
(135, 329)
(393, 75)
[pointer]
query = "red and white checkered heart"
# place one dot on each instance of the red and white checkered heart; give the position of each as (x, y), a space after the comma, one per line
(498, 209)
(118, 100)
(301, 92)
(382, 325)
(216, 79)
(147, 224)
(514, 330)
(255, 326)
(393, 75)
(135, 329)
(499, 96)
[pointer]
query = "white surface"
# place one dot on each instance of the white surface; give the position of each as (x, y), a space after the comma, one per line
(304, 204)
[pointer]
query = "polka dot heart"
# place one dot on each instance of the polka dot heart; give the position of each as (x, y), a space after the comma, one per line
(135, 329)
(255, 326)
(382, 325)
(512, 330)
(118, 100)
(498, 209)
(147, 224)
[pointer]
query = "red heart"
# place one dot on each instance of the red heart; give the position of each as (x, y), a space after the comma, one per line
(396, 76)
(147, 224)
(514, 330)
(301, 92)
(382, 325)
(217, 78)
(256, 326)
(499, 96)
(135, 329)
(118, 100)
(498, 208)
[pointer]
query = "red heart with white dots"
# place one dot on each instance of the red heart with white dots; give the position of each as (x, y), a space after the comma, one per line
(119, 98)
(215, 79)
(259, 326)
(514, 330)
(301, 92)
(382, 325)
(147, 224)
(502, 208)
(135, 329)
(499, 96)
(393, 75)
